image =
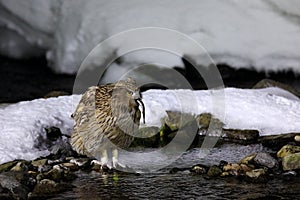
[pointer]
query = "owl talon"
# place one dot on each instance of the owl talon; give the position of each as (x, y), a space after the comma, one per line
(106, 167)
(118, 165)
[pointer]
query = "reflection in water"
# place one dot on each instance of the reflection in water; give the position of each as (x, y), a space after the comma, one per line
(177, 186)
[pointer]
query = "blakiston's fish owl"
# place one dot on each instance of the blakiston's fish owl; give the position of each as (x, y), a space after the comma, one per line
(107, 117)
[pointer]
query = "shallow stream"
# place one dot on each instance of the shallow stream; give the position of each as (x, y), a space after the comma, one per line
(183, 185)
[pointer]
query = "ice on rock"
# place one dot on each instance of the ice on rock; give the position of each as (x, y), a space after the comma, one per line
(264, 34)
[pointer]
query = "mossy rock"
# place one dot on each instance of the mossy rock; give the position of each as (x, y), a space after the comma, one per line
(175, 123)
(206, 119)
(39, 162)
(291, 162)
(7, 166)
(177, 120)
(287, 150)
(214, 171)
(54, 174)
(265, 83)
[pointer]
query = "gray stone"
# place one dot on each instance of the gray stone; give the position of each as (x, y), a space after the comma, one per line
(265, 83)
(236, 135)
(276, 141)
(265, 160)
(9, 182)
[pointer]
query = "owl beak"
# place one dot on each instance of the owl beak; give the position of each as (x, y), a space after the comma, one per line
(138, 99)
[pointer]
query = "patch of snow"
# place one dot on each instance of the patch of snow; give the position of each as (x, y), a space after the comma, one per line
(271, 111)
(264, 34)
(22, 123)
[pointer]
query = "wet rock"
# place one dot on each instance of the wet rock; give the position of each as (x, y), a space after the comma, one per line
(289, 173)
(55, 174)
(47, 188)
(7, 166)
(39, 162)
(287, 150)
(199, 169)
(81, 162)
(40, 176)
(20, 167)
(8, 182)
(53, 133)
(70, 166)
(44, 168)
(96, 166)
(241, 136)
(214, 171)
(176, 120)
(206, 119)
(291, 162)
(248, 159)
(235, 169)
(256, 175)
(265, 160)
(62, 149)
(56, 161)
(5, 194)
(177, 127)
(276, 141)
(265, 83)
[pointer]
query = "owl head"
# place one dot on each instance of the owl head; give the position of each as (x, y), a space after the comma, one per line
(127, 93)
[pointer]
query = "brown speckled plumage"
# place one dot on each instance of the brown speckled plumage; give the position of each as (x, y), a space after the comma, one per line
(106, 115)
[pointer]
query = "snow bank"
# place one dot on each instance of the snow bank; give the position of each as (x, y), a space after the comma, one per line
(271, 111)
(22, 123)
(264, 34)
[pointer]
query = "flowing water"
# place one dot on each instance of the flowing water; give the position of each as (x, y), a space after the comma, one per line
(183, 184)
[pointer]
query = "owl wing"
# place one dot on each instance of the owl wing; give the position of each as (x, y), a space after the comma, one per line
(84, 117)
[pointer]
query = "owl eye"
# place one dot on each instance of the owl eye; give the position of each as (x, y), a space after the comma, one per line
(130, 92)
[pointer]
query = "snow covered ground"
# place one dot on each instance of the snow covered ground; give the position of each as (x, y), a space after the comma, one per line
(271, 111)
(264, 34)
